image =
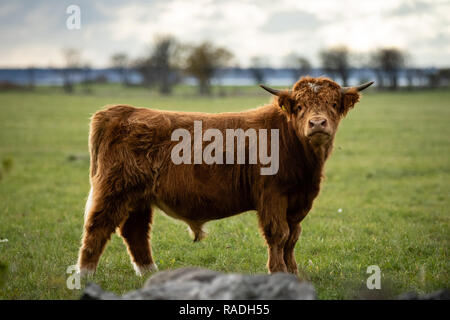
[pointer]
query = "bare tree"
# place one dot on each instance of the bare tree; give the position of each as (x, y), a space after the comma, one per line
(257, 69)
(439, 78)
(335, 61)
(119, 62)
(86, 77)
(72, 58)
(411, 74)
(299, 65)
(144, 66)
(159, 68)
(203, 60)
(387, 63)
(163, 61)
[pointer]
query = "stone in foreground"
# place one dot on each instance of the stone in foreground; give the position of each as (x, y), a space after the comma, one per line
(203, 284)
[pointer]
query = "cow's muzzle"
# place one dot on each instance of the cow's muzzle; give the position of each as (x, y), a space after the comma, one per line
(318, 126)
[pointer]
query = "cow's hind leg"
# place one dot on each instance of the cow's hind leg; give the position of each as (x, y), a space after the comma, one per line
(136, 234)
(289, 256)
(102, 217)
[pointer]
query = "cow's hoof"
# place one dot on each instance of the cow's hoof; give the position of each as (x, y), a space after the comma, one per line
(141, 270)
(85, 271)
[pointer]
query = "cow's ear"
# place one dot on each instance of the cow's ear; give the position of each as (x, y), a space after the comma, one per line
(349, 99)
(285, 101)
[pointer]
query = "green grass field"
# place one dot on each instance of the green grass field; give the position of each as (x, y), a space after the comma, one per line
(389, 173)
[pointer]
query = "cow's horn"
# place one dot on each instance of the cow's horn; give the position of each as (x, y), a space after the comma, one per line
(272, 91)
(358, 88)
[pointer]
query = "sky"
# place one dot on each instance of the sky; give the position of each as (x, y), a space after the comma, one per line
(34, 33)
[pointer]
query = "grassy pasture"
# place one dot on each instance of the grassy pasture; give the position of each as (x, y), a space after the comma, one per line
(389, 173)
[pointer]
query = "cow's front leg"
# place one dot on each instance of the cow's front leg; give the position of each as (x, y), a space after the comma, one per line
(289, 256)
(274, 226)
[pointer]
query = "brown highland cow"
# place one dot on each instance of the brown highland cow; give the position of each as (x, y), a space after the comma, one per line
(132, 171)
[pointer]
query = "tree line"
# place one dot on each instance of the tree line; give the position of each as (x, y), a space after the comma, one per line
(168, 61)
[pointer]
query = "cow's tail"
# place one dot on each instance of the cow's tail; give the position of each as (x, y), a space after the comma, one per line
(97, 130)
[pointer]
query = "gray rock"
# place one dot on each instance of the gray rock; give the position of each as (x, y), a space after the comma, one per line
(203, 284)
(443, 294)
(94, 292)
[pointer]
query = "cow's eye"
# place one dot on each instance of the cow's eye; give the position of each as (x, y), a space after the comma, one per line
(334, 105)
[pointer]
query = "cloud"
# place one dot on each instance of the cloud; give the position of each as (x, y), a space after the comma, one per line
(290, 21)
(34, 33)
(411, 7)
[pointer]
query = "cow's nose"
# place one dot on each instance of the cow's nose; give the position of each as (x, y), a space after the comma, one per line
(316, 123)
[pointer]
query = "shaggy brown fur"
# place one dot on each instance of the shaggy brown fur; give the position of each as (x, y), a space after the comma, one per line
(131, 171)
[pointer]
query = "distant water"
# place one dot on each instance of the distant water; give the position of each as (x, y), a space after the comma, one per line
(55, 76)
(232, 76)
